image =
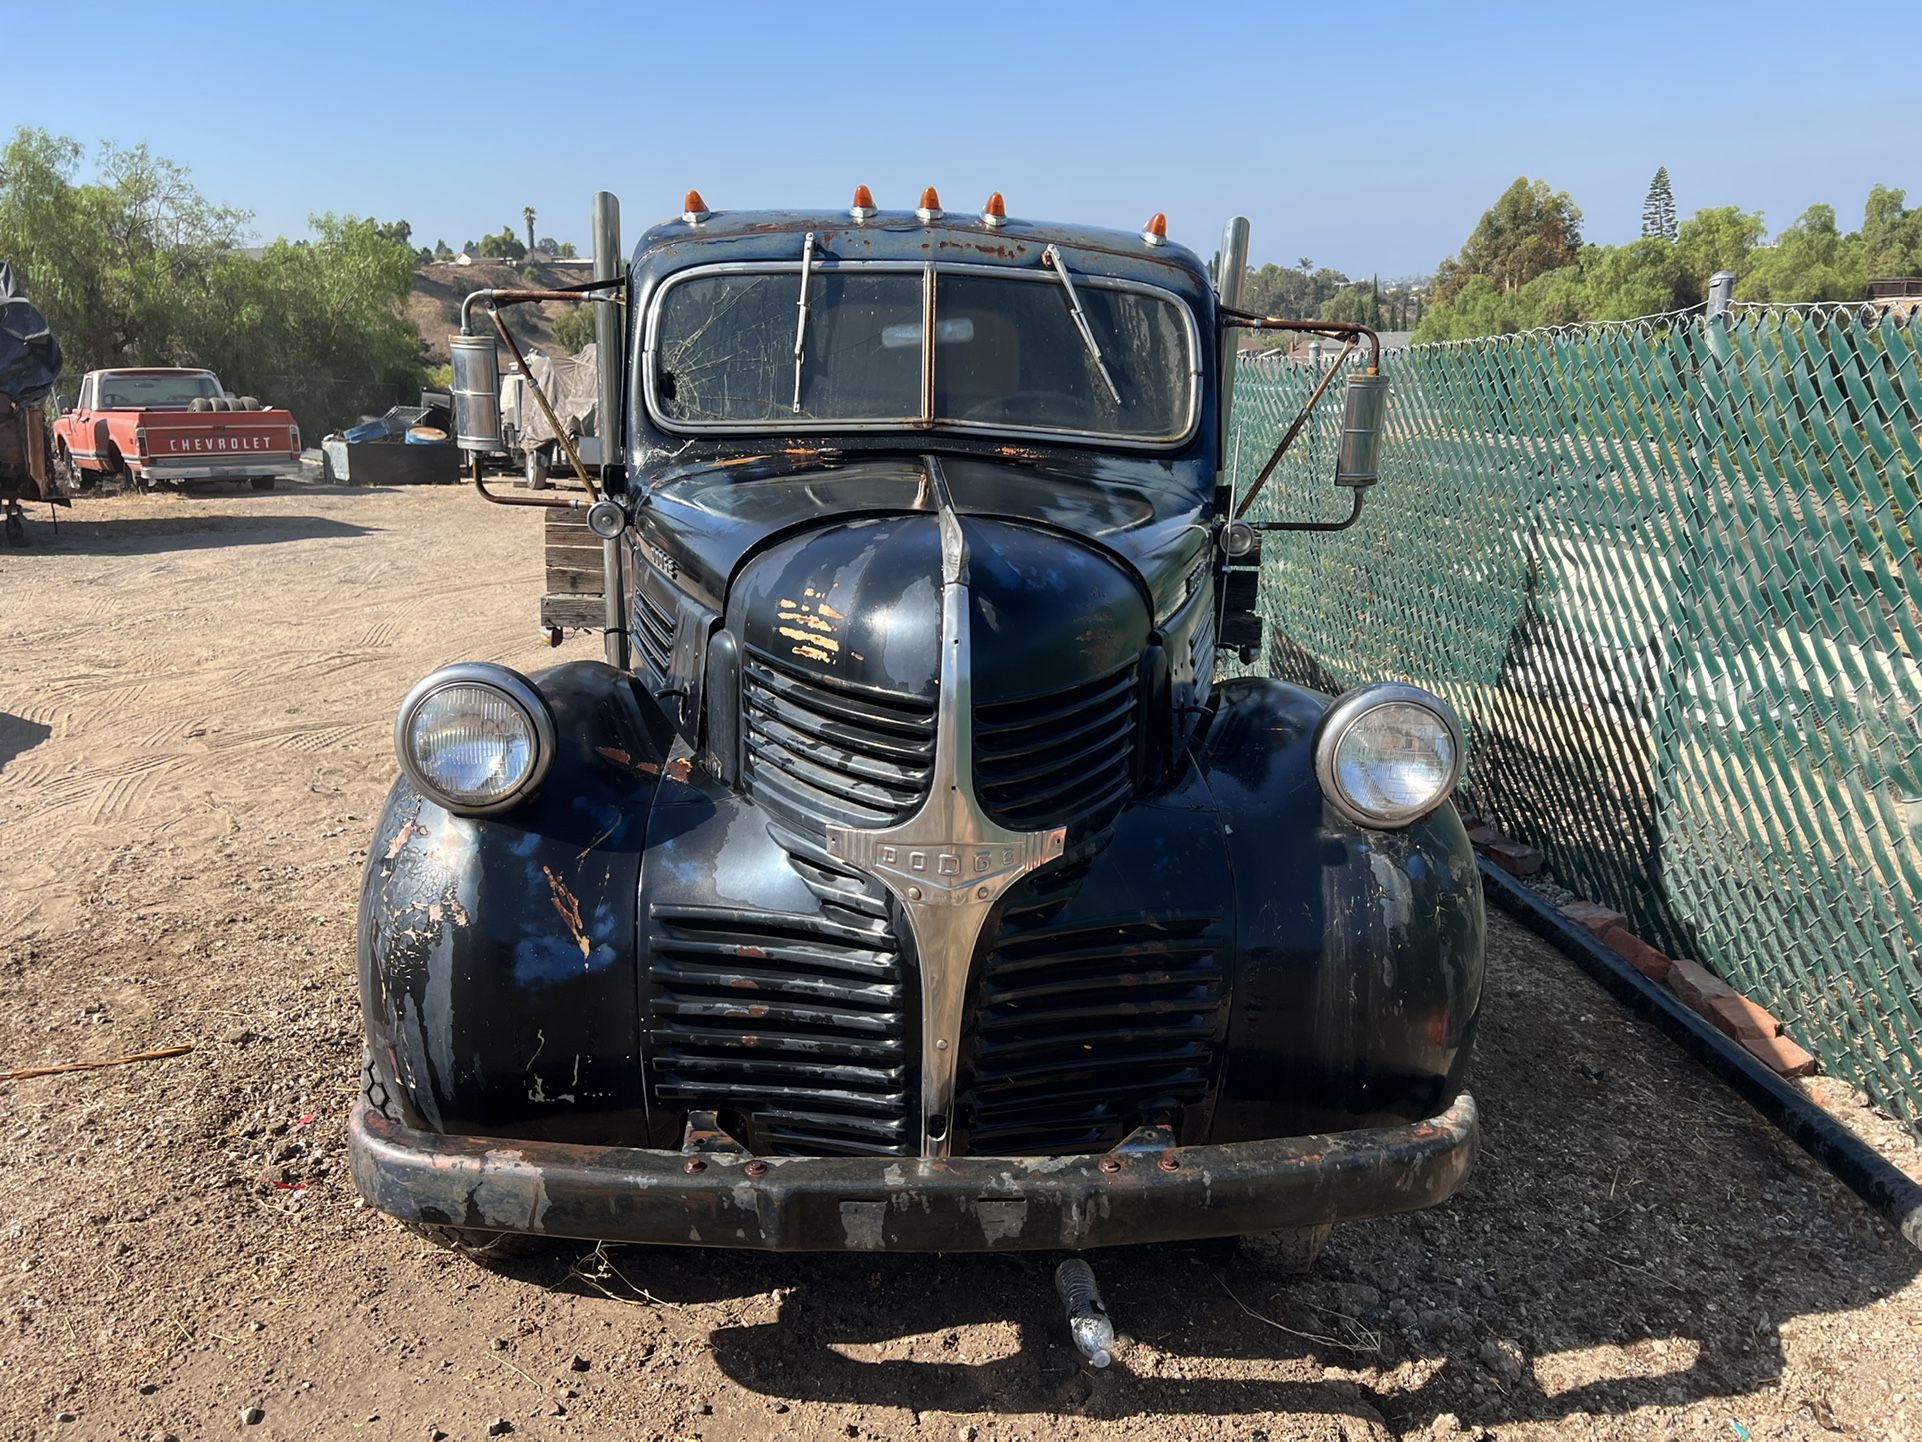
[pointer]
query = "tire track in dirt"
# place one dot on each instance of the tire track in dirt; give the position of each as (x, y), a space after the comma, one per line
(211, 658)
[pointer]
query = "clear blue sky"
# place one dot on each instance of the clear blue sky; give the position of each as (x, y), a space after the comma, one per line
(1369, 137)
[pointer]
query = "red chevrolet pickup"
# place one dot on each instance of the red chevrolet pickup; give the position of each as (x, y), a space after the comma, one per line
(159, 426)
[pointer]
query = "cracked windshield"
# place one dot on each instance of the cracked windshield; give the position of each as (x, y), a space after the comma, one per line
(1010, 353)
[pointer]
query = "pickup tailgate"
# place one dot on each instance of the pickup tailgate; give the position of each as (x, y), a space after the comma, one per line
(215, 435)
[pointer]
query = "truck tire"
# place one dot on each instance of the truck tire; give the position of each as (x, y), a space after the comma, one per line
(1293, 1250)
(72, 477)
(536, 469)
(487, 1248)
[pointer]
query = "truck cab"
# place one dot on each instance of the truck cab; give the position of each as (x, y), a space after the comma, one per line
(907, 876)
(165, 425)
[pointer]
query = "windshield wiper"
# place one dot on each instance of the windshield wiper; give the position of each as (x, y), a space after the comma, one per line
(801, 324)
(1052, 256)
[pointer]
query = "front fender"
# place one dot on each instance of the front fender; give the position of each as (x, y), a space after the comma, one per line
(1359, 952)
(498, 969)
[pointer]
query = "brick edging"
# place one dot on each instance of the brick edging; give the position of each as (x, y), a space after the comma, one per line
(1737, 1017)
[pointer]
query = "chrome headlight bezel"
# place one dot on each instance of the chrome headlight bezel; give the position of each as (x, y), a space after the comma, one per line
(1340, 719)
(513, 687)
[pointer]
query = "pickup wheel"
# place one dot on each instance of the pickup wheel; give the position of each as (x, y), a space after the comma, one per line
(71, 477)
(487, 1248)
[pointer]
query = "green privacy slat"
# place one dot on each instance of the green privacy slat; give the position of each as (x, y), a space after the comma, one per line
(1669, 574)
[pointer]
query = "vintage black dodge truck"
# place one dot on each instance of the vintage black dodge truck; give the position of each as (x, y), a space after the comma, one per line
(906, 878)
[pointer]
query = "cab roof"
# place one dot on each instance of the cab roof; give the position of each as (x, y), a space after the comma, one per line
(898, 235)
(151, 371)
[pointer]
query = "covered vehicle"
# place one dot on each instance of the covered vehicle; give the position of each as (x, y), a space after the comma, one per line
(570, 385)
(163, 425)
(906, 878)
(30, 363)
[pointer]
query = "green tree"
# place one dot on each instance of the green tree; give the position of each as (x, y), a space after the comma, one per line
(1478, 307)
(119, 262)
(1891, 234)
(1721, 238)
(1621, 282)
(318, 325)
(503, 246)
(1810, 260)
(1358, 304)
(1658, 210)
(1529, 230)
(441, 251)
(574, 328)
(134, 266)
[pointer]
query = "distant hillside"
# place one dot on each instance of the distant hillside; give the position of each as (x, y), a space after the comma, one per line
(434, 307)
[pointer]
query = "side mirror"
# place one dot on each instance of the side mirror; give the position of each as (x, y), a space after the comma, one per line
(477, 393)
(1358, 463)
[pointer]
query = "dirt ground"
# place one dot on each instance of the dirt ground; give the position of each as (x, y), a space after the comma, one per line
(195, 704)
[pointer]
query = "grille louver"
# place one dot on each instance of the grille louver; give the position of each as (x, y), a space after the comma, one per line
(795, 1027)
(819, 751)
(1083, 1031)
(1056, 760)
(653, 632)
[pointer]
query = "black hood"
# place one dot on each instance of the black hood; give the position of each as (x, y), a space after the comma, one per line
(859, 602)
(706, 521)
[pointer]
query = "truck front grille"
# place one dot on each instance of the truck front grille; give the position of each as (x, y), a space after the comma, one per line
(1080, 1032)
(1058, 759)
(818, 750)
(796, 1028)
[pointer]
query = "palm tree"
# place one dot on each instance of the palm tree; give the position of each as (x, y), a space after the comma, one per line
(527, 214)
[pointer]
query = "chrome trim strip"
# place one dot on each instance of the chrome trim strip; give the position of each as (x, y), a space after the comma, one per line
(824, 264)
(950, 862)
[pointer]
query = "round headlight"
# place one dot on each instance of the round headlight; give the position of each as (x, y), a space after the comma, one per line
(1387, 755)
(475, 738)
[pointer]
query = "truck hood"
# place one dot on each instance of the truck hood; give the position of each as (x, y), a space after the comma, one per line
(702, 524)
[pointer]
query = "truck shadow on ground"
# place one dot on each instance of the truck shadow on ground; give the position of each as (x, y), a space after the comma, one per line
(18, 736)
(1634, 1237)
(152, 535)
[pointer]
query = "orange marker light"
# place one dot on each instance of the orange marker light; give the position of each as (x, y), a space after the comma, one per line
(995, 212)
(694, 209)
(1155, 232)
(930, 206)
(863, 206)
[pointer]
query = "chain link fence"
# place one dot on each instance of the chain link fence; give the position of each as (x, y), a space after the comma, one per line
(1667, 573)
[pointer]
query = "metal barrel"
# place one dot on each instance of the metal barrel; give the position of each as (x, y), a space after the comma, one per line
(477, 393)
(1359, 461)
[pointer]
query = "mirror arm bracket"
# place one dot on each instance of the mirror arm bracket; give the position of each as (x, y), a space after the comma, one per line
(1354, 515)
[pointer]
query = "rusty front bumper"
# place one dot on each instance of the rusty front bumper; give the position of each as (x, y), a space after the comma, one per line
(962, 1204)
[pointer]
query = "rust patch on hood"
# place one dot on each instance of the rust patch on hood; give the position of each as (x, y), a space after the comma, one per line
(570, 910)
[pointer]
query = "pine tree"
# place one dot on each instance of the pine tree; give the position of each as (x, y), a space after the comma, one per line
(1658, 211)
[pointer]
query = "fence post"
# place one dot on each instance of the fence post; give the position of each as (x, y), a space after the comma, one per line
(1721, 290)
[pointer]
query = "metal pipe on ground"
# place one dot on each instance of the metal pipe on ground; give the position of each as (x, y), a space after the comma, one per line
(1892, 1196)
